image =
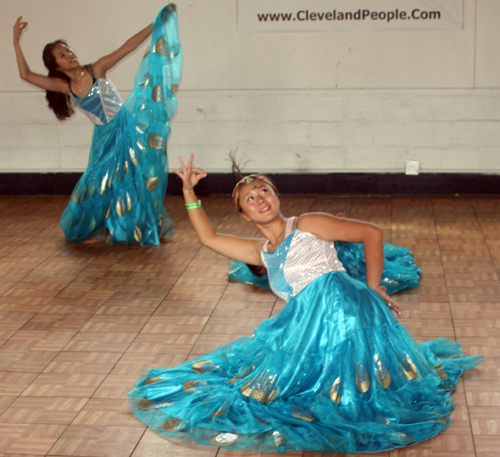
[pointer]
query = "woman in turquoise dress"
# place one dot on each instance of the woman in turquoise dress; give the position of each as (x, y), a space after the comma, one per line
(333, 371)
(119, 198)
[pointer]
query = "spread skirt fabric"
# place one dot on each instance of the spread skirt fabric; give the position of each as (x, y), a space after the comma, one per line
(333, 371)
(119, 199)
(400, 271)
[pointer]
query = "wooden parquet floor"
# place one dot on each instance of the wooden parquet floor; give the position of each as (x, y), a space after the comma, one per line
(79, 323)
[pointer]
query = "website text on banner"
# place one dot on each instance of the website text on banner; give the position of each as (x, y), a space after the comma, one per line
(341, 15)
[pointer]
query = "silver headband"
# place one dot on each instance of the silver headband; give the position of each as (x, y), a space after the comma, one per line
(245, 180)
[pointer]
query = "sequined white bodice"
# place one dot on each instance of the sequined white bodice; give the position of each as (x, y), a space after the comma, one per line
(299, 260)
(101, 103)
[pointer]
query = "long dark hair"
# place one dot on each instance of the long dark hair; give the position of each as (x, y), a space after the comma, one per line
(61, 104)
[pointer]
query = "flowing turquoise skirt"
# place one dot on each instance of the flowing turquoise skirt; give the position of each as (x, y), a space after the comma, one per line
(119, 198)
(333, 371)
(400, 271)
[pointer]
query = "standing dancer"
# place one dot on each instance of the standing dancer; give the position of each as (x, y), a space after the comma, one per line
(119, 198)
(333, 371)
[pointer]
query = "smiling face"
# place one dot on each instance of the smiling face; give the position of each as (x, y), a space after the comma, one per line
(64, 57)
(258, 201)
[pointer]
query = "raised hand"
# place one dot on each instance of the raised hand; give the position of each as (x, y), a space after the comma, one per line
(19, 26)
(190, 175)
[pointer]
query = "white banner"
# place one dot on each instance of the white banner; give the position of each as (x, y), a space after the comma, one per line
(339, 15)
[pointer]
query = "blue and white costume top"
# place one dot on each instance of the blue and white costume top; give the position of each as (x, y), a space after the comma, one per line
(298, 260)
(102, 102)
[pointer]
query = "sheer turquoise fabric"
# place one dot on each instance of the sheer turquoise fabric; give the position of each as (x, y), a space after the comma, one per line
(400, 270)
(120, 196)
(333, 371)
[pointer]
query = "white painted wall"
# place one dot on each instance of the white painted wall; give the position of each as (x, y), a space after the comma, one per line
(349, 101)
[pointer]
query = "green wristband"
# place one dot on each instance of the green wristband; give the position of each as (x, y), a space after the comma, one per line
(193, 205)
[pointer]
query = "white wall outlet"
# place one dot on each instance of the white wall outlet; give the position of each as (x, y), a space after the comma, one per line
(412, 167)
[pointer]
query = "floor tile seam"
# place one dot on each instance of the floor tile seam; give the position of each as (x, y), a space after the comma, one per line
(139, 440)
(469, 419)
(497, 268)
(450, 311)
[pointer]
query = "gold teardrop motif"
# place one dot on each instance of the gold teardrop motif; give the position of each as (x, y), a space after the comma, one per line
(161, 47)
(142, 127)
(141, 146)
(152, 380)
(278, 438)
(129, 202)
(203, 366)
(439, 370)
(224, 439)
(172, 424)
(133, 156)
(152, 405)
(103, 184)
(362, 380)
(188, 385)
(84, 194)
(382, 374)
(156, 141)
(261, 421)
(120, 207)
(157, 94)
(152, 183)
(74, 197)
(302, 414)
(219, 412)
(408, 368)
(125, 167)
(138, 237)
(335, 390)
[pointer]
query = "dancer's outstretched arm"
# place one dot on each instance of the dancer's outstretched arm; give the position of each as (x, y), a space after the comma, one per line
(42, 81)
(245, 250)
(102, 65)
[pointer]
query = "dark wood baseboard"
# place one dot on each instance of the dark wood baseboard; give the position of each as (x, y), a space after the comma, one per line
(29, 184)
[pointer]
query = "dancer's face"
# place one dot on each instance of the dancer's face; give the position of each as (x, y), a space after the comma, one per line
(65, 57)
(258, 201)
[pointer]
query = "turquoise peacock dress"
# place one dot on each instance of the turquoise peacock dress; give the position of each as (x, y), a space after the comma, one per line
(333, 371)
(119, 198)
